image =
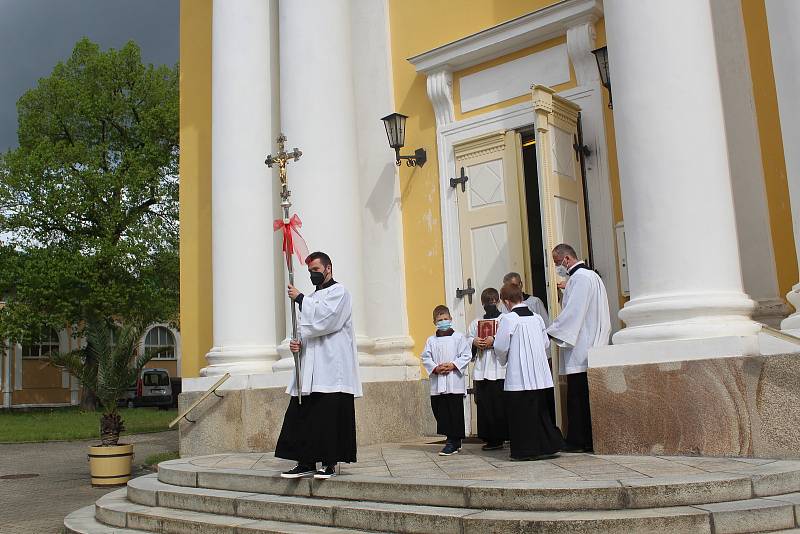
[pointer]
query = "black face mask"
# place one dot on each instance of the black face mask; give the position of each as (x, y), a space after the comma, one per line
(317, 278)
(491, 311)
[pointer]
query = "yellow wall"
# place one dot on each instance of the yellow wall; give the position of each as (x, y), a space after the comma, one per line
(412, 34)
(769, 130)
(195, 184)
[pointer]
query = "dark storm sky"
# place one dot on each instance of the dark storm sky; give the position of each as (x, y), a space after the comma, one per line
(37, 34)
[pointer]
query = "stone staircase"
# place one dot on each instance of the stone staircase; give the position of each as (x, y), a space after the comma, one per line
(198, 496)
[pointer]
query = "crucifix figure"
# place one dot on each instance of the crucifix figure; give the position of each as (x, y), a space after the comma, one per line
(289, 227)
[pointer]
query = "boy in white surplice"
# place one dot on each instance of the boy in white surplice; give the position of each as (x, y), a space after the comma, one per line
(322, 428)
(445, 357)
(488, 375)
(521, 343)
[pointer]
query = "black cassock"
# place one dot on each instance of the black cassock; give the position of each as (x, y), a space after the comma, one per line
(322, 429)
(448, 409)
(531, 430)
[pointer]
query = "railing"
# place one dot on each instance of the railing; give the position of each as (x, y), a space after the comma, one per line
(209, 391)
(774, 332)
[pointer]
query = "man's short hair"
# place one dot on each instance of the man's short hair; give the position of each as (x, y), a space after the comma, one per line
(488, 294)
(565, 250)
(324, 259)
(511, 293)
(439, 310)
(512, 276)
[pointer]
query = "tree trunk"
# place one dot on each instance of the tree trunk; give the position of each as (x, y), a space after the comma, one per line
(88, 400)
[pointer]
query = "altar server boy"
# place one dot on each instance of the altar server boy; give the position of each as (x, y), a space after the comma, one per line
(488, 374)
(521, 343)
(445, 358)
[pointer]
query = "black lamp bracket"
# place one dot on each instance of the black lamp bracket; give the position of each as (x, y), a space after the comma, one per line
(417, 160)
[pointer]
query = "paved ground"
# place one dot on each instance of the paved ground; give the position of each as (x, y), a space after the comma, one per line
(38, 505)
(421, 460)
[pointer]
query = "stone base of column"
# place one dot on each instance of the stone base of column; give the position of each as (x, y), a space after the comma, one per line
(747, 405)
(793, 321)
(240, 360)
(686, 316)
(771, 312)
(249, 416)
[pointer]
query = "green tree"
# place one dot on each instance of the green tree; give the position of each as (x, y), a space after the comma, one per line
(89, 199)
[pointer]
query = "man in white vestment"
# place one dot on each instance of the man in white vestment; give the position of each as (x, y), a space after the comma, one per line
(322, 428)
(584, 322)
(533, 302)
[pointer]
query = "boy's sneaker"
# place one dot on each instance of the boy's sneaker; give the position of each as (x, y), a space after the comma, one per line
(492, 447)
(327, 472)
(450, 449)
(298, 471)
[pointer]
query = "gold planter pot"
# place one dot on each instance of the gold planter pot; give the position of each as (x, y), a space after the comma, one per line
(110, 466)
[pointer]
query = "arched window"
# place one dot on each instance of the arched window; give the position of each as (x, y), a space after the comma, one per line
(161, 339)
(41, 346)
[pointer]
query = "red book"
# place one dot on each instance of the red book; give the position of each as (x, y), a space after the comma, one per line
(487, 327)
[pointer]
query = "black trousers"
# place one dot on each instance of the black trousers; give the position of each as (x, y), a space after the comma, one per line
(530, 427)
(492, 420)
(579, 417)
(322, 429)
(448, 409)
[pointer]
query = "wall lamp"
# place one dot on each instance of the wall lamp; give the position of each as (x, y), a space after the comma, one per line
(396, 132)
(601, 55)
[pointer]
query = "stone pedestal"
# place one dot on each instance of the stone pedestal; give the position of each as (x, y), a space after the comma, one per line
(249, 416)
(737, 406)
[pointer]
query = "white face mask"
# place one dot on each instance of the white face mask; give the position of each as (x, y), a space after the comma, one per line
(562, 271)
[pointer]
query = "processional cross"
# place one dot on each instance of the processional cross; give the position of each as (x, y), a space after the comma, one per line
(290, 227)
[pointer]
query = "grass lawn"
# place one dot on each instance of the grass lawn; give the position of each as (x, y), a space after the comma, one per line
(155, 459)
(74, 424)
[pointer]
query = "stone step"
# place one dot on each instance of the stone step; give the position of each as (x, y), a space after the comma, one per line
(114, 514)
(149, 505)
(83, 521)
(490, 495)
(738, 516)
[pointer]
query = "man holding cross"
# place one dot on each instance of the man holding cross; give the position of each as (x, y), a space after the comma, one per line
(322, 428)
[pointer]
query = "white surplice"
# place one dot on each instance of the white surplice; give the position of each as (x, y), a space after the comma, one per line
(487, 366)
(447, 349)
(329, 359)
(521, 343)
(584, 321)
(535, 305)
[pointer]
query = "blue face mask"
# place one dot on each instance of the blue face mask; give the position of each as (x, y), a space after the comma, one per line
(444, 325)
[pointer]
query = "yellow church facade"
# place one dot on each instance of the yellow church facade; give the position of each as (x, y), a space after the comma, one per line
(680, 196)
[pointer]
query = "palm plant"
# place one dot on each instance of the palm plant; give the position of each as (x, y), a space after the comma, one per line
(107, 365)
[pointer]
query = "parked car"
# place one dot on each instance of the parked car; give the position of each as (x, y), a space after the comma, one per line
(153, 388)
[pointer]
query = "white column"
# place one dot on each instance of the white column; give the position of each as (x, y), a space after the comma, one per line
(759, 273)
(783, 18)
(683, 255)
(318, 115)
(244, 263)
(379, 182)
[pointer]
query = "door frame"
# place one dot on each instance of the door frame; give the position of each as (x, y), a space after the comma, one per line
(601, 220)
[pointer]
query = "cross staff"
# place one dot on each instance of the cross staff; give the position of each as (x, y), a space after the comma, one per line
(282, 158)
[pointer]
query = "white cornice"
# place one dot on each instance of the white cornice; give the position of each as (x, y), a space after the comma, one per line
(508, 37)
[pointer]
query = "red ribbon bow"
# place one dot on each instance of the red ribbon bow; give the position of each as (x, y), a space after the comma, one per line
(293, 242)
